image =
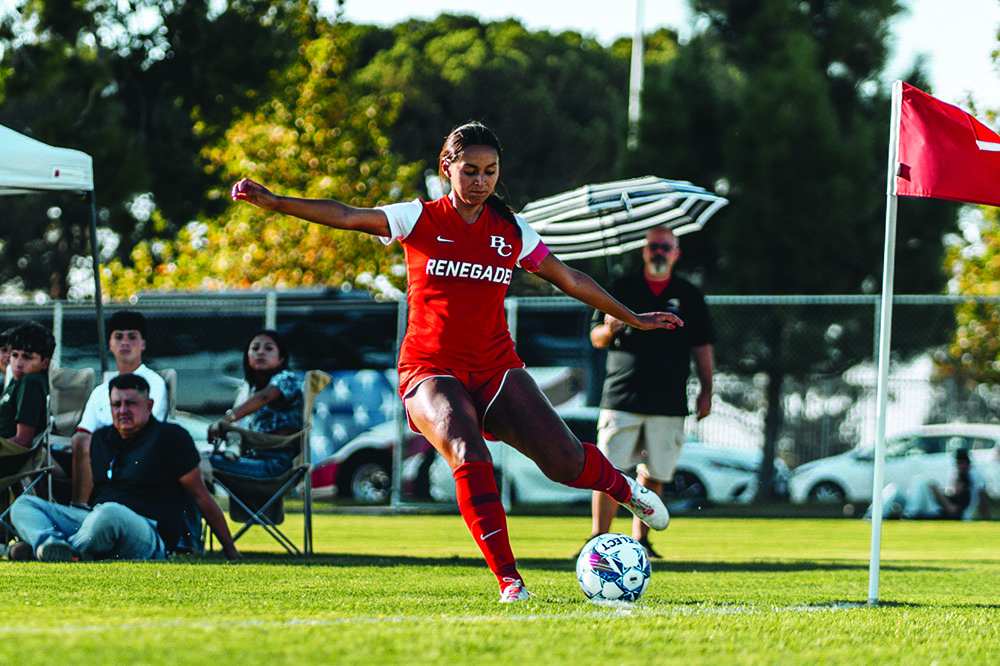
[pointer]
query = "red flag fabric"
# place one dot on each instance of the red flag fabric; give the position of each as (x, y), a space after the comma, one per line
(945, 153)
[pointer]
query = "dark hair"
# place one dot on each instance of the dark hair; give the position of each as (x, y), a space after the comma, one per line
(5, 337)
(126, 320)
(249, 373)
(33, 338)
(129, 381)
(962, 455)
(476, 134)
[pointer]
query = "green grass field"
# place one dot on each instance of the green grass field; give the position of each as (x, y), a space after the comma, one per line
(414, 590)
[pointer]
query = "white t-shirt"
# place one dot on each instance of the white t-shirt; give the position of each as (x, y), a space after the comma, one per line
(97, 413)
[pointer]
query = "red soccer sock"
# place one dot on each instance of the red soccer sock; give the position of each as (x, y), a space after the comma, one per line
(479, 503)
(599, 474)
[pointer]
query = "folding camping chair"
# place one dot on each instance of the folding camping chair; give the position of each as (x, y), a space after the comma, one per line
(37, 465)
(69, 390)
(261, 501)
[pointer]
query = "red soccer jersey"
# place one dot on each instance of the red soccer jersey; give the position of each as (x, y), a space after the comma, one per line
(457, 276)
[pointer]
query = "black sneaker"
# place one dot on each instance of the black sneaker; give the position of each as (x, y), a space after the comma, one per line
(21, 552)
(60, 551)
(648, 547)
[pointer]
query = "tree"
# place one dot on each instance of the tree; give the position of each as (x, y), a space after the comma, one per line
(779, 102)
(369, 123)
(141, 98)
(321, 136)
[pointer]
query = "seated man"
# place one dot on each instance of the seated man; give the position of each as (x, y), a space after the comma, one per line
(126, 331)
(926, 500)
(143, 472)
(23, 411)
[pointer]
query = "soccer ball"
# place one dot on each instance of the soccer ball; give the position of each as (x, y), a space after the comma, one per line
(613, 567)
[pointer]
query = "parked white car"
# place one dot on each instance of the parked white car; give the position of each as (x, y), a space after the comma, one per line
(705, 474)
(927, 452)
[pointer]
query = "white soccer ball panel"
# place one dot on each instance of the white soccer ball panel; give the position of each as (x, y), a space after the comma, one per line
(633, 580)
(590, 583)
(611, 591)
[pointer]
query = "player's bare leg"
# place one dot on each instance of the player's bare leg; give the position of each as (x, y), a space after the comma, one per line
(443, 411)
(522, 417)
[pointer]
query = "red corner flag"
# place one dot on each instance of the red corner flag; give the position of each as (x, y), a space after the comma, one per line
(945, 153)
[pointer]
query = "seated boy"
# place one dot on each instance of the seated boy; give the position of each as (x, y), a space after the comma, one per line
(4, 357)
(23, 410)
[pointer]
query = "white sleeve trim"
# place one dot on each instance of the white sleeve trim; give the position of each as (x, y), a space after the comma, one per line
(402, 218)
(529, 238)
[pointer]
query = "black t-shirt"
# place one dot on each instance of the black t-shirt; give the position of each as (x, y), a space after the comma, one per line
(23, 401)
(145, 473)
(647, 371)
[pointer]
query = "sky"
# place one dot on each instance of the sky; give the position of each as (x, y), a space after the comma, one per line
(957, 36)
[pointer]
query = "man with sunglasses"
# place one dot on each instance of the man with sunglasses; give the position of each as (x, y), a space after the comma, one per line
(645, 400)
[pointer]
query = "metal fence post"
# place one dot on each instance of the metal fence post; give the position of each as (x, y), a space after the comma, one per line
(271, 310)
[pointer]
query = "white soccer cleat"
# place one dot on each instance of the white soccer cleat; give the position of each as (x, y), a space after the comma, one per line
(515, 591)
(646, 505)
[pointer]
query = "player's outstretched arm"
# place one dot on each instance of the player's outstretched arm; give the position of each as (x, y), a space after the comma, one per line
(321, 211)
(583, 288)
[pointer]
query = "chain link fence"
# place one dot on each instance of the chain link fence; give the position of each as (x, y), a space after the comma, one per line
(800, 367)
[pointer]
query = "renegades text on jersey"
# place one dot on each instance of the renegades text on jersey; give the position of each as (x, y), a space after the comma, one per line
(457, 275)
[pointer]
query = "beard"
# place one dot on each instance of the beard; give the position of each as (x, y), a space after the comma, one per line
(659, 266)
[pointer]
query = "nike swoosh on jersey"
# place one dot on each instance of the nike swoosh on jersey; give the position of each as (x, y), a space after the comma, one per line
(442, 239)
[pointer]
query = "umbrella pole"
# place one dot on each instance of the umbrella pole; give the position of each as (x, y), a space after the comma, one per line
(98, 302)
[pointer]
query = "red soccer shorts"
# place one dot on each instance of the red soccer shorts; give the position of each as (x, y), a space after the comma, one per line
(483, 386)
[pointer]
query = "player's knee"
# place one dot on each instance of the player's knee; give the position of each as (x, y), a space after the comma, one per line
(461, 450)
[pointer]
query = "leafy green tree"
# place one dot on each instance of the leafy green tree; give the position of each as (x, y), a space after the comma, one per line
(557, 102)
(779, 103)
(321, 137)
(410, 85)
(140, 86)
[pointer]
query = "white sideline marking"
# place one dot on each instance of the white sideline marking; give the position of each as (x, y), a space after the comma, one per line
(614, 609)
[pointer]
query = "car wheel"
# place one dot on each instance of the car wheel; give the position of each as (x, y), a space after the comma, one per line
(686, 488)
(827, 492)
(368, 479)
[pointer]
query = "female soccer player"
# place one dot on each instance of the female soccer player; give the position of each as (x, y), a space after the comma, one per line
(459, 376)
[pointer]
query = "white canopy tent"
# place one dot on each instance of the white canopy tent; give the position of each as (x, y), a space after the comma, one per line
(28, 166)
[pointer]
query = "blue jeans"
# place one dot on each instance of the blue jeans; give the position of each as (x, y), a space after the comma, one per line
(258, 465)
(109, 531)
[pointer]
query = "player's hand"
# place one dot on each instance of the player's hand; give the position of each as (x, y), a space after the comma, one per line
(703, 405)
(254, 193)
(649, 320)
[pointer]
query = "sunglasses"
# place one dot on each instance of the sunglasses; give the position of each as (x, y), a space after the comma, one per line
(666, 247)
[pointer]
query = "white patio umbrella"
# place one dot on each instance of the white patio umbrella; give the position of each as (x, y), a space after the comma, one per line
(608, 219)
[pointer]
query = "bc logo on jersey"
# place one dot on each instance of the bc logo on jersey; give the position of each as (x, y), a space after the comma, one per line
(499, 243)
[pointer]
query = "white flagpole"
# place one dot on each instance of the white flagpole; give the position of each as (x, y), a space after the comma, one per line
(635, 78)
(884, 350)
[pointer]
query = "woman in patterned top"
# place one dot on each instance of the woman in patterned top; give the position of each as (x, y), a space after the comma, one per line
(274, 407)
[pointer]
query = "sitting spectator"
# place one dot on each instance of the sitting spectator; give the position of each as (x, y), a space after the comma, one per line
(126, 331)
(926, 500)
(274, 407)
(144, 471)
(23, 411)
(4, 357)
